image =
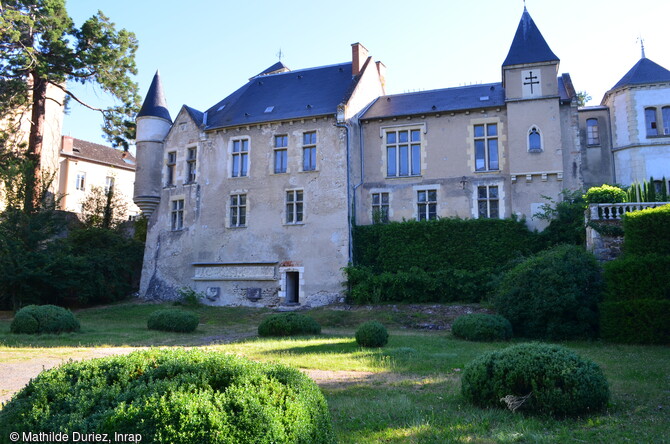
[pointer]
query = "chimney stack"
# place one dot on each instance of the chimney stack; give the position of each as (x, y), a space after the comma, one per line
(67, 144)
(359, 54)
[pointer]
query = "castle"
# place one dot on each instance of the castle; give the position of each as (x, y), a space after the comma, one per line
(252, 201)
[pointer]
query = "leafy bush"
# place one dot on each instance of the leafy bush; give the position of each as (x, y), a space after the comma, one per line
(44, 319)
(288, 324)
(482, 327)
(173, 320)
(174, 396)
(553, 294)
(605, 194)
(640, 321)
(556, 380)
(646, 231)
(566, 219)
(372, 334)
(637, 301)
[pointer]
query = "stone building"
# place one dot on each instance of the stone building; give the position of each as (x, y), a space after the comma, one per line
(252, 201)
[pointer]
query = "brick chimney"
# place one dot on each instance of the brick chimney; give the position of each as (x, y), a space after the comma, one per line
(67, 144)
(359, 54)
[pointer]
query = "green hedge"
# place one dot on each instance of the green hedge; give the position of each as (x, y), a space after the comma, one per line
(173, 320)
(641, 321)
(646, 231)
(482, 327)
(37, 319)
(174, 396)
(552, 295)
(288, 324)
(605, 194)
(555, 380)
(633, 277)
(372, 334)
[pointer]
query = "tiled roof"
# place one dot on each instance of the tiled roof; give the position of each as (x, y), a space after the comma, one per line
(94, 152)
(155, 104)
(438, 100)
(284, 95)
(644, 72)
(528, 45)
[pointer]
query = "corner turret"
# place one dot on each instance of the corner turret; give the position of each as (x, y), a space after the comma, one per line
(153, 124)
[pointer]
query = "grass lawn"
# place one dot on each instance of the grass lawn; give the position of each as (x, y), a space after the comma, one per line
(410, 389)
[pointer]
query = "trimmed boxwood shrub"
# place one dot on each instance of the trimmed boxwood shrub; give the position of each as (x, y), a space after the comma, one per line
(605, 194)
(34, 319)
(646, 231)
(288, 324)
(175, 396)
(482, 327)
(553, 295)
(173, 320)
(559, 382)
(372, 334)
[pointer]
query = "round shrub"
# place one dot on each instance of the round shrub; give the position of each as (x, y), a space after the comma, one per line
(605, 194)
(553, 379)
(175, 396)
(482, 327)
(552, 295)
(173, 320)
(44, 319)
(372, 334)
(288, 324)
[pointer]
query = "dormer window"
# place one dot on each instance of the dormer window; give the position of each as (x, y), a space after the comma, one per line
(534, 140)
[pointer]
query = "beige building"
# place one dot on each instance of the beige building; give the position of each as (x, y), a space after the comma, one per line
(84, 165)
(252, 201)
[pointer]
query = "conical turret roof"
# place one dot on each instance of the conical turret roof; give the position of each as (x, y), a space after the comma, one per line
(642, 73)
(155, 104)
(528, 45)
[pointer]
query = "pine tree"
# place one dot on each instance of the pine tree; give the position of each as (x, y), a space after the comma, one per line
(41, 46)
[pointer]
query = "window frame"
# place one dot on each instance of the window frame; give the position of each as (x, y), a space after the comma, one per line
(426, 209)
(80, 181)
(239, 160)
(295, 208)
(238, 210)
(488, 200)
(651, 125)
(533, 131)
(191, 164)
(665, 118)
(309, 151)
(380, 209)
(177, 214)
(280, 154)
(171, 168)
(486, 140)
(403, 157)
(592, 132)
(109, 184)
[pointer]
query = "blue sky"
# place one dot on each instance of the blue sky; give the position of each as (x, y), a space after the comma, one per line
(205, 49)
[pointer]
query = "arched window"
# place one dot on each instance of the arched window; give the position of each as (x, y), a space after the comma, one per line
(650, 121)
(534, 140)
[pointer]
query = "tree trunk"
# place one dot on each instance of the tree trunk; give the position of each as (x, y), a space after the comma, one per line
(35, 142)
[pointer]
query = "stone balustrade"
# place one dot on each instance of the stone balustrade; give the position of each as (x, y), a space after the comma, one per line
(615, 211)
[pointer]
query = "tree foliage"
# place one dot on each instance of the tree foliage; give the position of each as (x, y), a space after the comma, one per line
(103, 209)
(41, 47)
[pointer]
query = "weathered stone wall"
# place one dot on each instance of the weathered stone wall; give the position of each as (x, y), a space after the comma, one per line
(605, 248)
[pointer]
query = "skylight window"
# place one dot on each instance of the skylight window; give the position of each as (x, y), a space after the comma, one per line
(221, 107)
(269, 109)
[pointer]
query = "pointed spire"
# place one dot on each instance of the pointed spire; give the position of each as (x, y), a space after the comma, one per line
(642, 47)
(155, 104)
(528, 45)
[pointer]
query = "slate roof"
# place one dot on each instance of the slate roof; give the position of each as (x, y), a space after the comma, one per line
(279, 66)
(286, 95)
(438, 100)
(644, 72)
(94, 152)
(196, 115)
(528, 45)
(155, 104)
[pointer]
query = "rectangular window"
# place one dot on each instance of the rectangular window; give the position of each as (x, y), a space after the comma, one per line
(281, 154)
(171, 166)
(665, 114)
(487, 202)
(238, 210)
(426, 204)
(592, 132)
(177, 215)
(294, 207)
(380, 207)
(309, 151)
(403, 153)
(650, 121)
(191, 155)
(109, 184)
(80, 184)
(486, 147)
(240, 158)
